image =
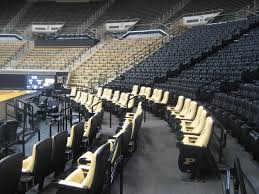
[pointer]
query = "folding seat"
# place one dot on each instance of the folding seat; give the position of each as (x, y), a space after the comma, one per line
(9, 130)
(142, 91)
(88, 103)
(177, 107)
(193, 128)
(76, 99)
(58, 160)
(115, 98)
(99, 92)
(108, 95)
(73, 92)
(159, 106)
(135, 90)
(151, 97)
(105, 90)
(126, 107)
(156, 98)
(194, 153)
(89, 107)
(147, 93)
(251, 124)
(89, 177)
(83, 98)
(10, 173)
(181, 112)
(136, 120)
(91, 129)
(37, 165)
(122, 103)
(237, 119)
(119, 101)
(74, 140)
(189, 115)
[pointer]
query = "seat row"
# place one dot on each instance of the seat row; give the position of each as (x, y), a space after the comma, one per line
(111, 58)
(91, 172)
(194, 128)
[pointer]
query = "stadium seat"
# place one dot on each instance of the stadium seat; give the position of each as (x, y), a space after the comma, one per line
(88, 178)
(10, 173)
(58, 160)
(177, 107)
(74, 141)
(193, 157)
(37, 165)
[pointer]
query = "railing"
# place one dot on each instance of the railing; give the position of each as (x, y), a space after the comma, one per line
(236, 173)
(80, 87)
(84, 26)
(128, 63)
(178, 19)
(133, 60)
(23, 49)
(171, 12)
(240, 14)
(17, 18)
(89, 51)
(25, 114)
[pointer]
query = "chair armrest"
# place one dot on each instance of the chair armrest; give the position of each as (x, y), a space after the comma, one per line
(62, 184)
(192, 137)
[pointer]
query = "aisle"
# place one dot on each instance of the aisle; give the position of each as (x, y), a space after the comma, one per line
(153, 169)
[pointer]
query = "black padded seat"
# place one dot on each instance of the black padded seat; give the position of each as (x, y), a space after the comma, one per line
(37, 165)
(75, 139)
(88, 178)
(58, 160)
(10, 173)
(11, 130)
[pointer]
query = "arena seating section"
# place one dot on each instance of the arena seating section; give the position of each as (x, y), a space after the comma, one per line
(135, 9)
(8, 50)
(207, 75)
(184, 49)
(211, 63)
(72, 14)
(8, 11)
(203, 5)
(112, 58)
(59, 58)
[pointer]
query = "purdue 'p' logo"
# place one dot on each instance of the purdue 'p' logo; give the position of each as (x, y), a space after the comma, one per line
(188, 161)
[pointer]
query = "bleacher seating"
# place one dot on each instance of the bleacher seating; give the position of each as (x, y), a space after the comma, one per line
(8, 11)
(211, 71)
(58, 58)
(135, 9)
(228, 65)
(112, 58)
(8, 50)
(213, 67)
(185, 49)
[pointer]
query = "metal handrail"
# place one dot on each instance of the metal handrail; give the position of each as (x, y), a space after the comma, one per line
(238, 178)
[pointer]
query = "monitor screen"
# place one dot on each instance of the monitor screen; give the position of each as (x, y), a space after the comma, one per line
(36, 82)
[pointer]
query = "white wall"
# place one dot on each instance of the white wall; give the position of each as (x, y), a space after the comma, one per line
(119, 26)
(198, 19)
